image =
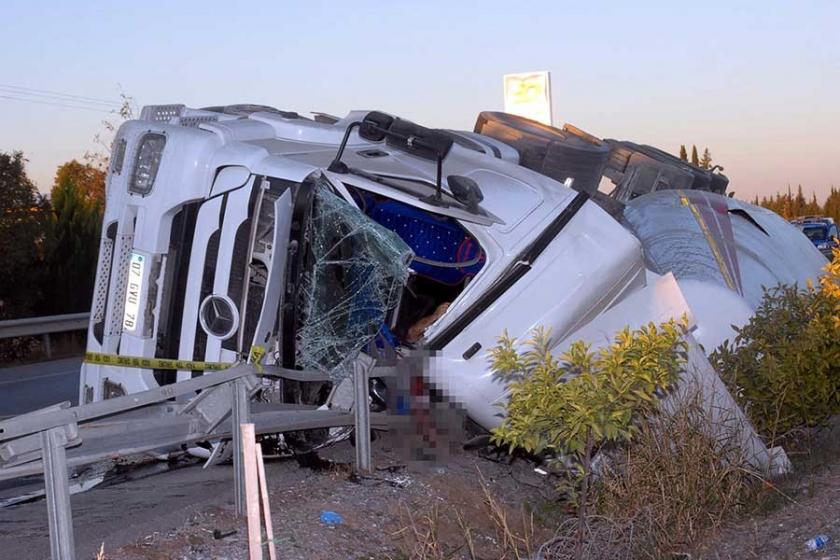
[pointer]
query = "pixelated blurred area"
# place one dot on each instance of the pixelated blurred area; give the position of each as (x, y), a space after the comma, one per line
(429, 427)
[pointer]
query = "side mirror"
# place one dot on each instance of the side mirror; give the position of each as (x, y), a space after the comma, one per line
(375, 125)
(466, 191)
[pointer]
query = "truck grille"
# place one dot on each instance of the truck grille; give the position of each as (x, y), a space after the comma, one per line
(100, 292)
(125, 244)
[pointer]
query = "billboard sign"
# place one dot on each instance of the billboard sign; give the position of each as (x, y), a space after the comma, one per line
(528, 94)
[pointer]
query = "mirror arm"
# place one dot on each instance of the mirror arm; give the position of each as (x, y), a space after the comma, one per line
(336, 165)
(439, 180)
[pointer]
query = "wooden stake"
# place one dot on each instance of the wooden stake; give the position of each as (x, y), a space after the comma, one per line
(269, 530)
(252, 492)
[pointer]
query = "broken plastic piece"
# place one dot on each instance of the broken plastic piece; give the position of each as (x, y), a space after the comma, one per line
(331, 518)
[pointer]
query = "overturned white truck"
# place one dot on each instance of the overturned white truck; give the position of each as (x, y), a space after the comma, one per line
(248, 233)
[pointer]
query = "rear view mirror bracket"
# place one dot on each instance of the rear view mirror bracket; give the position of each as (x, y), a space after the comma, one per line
(414, 139)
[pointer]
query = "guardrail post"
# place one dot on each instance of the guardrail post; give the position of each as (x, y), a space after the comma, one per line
(57, 489)
(361, 410)
(47, 345)
(240, 414)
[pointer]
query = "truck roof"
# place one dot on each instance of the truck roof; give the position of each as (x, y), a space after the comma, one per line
(510, 191)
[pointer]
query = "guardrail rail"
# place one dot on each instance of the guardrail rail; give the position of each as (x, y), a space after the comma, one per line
(44, 327)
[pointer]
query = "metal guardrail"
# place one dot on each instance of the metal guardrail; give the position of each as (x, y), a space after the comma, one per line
(51, 440)
(44, 326)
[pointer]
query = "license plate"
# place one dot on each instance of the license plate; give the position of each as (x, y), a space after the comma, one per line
(134, 288)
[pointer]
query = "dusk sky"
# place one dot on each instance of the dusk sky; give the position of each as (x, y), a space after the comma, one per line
(756, 82)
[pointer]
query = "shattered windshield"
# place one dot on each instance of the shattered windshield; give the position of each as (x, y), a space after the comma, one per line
(358, 272)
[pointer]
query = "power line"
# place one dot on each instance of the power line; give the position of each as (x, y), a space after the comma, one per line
(54, 103)
(68, 96)
(51, 97)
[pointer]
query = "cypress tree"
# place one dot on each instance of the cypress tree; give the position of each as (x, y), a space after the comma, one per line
(73, 236)
(706, 160)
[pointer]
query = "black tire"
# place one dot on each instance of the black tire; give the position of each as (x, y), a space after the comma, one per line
(626, 155)
(311, 393)
(719, 183)
(556, 153)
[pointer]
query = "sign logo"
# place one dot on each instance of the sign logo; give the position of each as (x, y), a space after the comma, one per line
(528, 95)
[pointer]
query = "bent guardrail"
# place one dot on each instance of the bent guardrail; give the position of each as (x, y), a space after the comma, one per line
(211, 407)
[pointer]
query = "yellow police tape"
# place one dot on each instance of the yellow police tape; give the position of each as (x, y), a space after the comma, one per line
(152, 363)
(255, 357)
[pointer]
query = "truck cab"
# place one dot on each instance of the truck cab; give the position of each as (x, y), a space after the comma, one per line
(251, 234)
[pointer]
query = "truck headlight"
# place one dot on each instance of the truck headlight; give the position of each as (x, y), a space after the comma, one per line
(146, 163)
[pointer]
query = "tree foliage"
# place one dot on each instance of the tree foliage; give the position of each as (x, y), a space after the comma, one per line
(78, 198)
(703, 162)
(706, 159)
(99, 157)
(790, 206)
(695, 159)
(556, 405)
(23, 215)
(784, 365)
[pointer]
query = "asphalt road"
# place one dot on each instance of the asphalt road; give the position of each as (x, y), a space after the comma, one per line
(114, 515)
(118, 515)
(34, 386)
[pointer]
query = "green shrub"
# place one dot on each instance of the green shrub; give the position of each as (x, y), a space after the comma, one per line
(573, 405)
(783, 367)
(561, 406)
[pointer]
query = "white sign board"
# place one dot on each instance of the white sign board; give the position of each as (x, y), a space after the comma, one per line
(528, 94)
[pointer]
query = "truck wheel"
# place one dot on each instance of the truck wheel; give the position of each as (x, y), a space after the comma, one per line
(558, 153)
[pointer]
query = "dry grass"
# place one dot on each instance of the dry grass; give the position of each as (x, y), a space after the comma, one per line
(675, 483)
(420, 534)
(604, 539)
(680, 479)
(494, 530)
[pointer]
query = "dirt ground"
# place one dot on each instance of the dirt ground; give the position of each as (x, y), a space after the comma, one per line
(401, 508)
(405, 510)
(467, 506)
(793, 510)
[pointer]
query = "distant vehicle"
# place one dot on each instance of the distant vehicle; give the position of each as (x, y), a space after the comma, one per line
(822, 232)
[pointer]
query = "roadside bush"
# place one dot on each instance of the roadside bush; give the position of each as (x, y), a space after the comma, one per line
(571, 406)
(830, 284)
(783, 367)
(663, 480)
(566, 405)
(675, 482)
(660, 495)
